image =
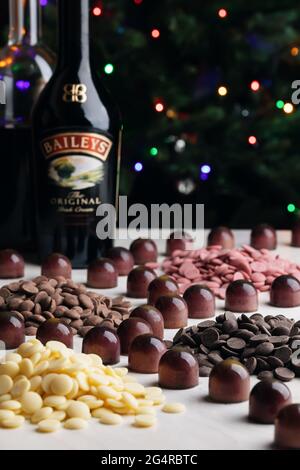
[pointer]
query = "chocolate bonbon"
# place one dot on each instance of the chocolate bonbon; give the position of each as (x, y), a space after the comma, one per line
(138, 282)
(56, 265)
(104, 342)
(222, 236)
(285, 292)
(130, 329)
(123, 260)
(267, 398)
(12, 264)
(144, 354)
(200, 301)
(174, 311)
(102, 274)
(161, 286)
(264, 236)
(153, 316)
(144, 251)
(178, 370)
(54, 330)
(241, 296)
(12, 330)
(229, 382)
(179, 241)
(287, 427)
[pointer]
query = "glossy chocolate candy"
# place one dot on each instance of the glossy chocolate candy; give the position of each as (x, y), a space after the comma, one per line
(241, 297)
(138, 282)
(174, 311)
(266, 400)
(102, 274)
(161, 286)
(151, 315)
(222, 236)
(130, 329)
(123, 260)
(144, 251)
(104, 342)
(264, 236)
(200, 301)
(285, 292)
(12, 264)
(296, 234)
(287, 427)
(56, 265)
(229, 382)
(145, 353)
(179, 241)
(12, 331)
(178, 370)
(55, 330)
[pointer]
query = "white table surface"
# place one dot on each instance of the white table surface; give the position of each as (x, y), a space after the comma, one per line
(204, 425)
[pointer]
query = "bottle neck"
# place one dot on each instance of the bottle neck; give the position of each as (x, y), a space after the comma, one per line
(74, 33)
(24, 22)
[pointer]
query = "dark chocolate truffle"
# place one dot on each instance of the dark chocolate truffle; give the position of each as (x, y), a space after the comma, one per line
(221, 236)
(241, 296)
(102, 274)
(178, 370)
(200, 301)
(131, 329)
(12, 331)
(138, 282)
(163, 285)
(179, 241)
(55, 330)
(285, 292)
(12, 264)
(287, 427)
(103, 342)
(145, 353)
(229, 382)
(123, 260)
(266, 400)
(144, 251)
(56, 265)
(151, 315)
(174, 311)
(264, 236)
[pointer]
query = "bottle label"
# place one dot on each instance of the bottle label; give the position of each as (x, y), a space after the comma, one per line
(76, 167)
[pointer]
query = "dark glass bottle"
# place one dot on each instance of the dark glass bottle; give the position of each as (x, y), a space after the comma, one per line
(25, 68)
(77, 133)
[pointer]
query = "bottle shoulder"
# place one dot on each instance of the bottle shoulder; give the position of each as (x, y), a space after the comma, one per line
(26, 61)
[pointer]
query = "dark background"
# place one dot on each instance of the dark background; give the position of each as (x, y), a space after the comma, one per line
(202, 138)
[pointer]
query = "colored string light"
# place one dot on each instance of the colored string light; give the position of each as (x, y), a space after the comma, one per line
(294, 51)
(206, 169)
(288, 108)
(222, 13)
(222, 90)
(138, 2)
(279, 104)
(108, 69)
(255, 85)
(291, 208)
(155, 33)
(159, 106)
(97, 11)
(138, 167)
(252, 140)
(43, 3)
(154, 151)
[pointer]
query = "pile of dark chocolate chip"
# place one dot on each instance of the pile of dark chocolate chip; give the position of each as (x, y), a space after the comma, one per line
(42, 299)
(268, 346)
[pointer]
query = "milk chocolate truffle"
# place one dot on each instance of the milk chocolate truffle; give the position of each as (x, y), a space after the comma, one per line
(222, 236)
(131, 329)
(241, 296)
(55, 330)
(178, 370)
(163, 285)
(145, 353)
(151, 315)
(285, 292)
(103, 342)
(12, 331)
(144, 251)
(12, 264)
(138, 282)
(179, 241)
(264, 236)
(102, 274)
(174, 311)
(229, 382)
(296, 234)
(123, 260)
(287, 427)
(200, 301)
(266, 400)
(56, 265)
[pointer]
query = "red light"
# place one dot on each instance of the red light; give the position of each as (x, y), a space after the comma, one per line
(252, 140)
(255, 85)
(97, 11)
(222, 13)
(159, 107)
(155, 33)
(138, 2)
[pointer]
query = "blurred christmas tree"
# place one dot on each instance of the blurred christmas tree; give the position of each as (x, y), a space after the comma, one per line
(205, 93)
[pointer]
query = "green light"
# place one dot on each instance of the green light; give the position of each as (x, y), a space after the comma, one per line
(109, 68)
(279, 104)
(154, 152)
(291, 208)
